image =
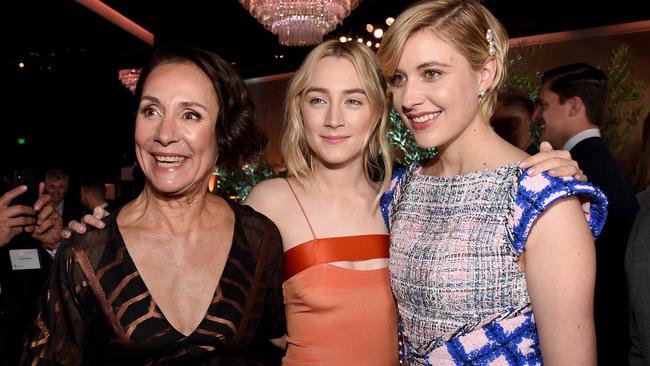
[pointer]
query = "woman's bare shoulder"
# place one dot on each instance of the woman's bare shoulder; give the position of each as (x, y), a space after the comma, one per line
(267, 194)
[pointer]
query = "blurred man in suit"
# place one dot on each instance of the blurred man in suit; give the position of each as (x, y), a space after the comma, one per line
(24, 265)
(93, 194)
(56, 185)
(570, 109)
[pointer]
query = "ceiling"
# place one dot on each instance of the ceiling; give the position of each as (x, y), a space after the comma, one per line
(69, 83)
(63, 31)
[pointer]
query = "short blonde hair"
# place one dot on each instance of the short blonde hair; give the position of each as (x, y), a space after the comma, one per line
(461, 23)
(297, 154)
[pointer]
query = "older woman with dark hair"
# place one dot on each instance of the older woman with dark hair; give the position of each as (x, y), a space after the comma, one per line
(179, 276)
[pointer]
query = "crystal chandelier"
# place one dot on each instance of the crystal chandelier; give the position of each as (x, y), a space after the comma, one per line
(300, 22)
(129, 78)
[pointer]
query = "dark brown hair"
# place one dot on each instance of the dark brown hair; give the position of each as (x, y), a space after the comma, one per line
(580, 80)
(512, 97)
(239, 138)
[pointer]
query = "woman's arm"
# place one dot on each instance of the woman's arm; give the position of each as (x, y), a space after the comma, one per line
(560, 267)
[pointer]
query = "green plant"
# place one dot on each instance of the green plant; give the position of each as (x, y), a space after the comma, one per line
(623, 109)
(520, 78)
(237, 184)
(405, 150)
(526, 81)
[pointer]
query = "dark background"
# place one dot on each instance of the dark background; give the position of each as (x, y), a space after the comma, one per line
(74, 113)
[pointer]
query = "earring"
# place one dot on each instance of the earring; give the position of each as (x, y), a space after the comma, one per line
(481, 94)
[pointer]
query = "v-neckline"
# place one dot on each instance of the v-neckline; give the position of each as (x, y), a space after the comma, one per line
(142, 283)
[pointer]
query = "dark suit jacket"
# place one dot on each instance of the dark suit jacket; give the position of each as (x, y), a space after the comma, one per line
(638, 277)
(18, 300)
(72, 210)
(611, 310)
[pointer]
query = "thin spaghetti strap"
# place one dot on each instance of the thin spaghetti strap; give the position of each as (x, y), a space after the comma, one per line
(301, 208)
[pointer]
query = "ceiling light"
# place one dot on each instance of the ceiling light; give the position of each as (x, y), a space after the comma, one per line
(129, 78)
(300, 22)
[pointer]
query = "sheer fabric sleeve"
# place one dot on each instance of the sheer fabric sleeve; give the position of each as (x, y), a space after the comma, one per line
(264, 304)
(537, 193)
(57, 335)
(273, 322)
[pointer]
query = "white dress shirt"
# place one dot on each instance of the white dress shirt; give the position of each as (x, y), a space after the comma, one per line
(582, 135)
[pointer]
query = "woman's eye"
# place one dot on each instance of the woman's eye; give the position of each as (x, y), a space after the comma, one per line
(353, 101)
(431, 74)
(191, 115)
(148, 111)
(317, 100)
(398, 80)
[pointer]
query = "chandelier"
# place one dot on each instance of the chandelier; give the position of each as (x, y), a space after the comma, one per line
(300, 22)
(129, 78)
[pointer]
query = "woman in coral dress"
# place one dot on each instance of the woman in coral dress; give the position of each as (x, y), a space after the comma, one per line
(339, 306)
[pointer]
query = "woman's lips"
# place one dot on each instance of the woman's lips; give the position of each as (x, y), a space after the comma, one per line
(334, 139)
(421, 125)
(423, 120)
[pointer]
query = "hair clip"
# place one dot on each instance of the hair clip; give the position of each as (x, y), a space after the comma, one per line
(492, 50)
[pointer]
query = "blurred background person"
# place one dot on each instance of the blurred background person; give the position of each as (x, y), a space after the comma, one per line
(24, 265)
(56, 185)
(637, 258)
(513, 119)
(571, 105)
(92, 193)
(642, 176)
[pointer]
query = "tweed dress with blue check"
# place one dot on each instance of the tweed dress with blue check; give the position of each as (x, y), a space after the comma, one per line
(455, 242)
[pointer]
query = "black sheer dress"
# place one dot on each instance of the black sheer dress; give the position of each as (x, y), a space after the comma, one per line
(98, 311)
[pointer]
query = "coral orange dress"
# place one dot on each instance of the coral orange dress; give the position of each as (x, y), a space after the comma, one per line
(339, 316)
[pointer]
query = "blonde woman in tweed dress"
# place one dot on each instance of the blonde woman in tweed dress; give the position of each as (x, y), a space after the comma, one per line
(489, 264)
